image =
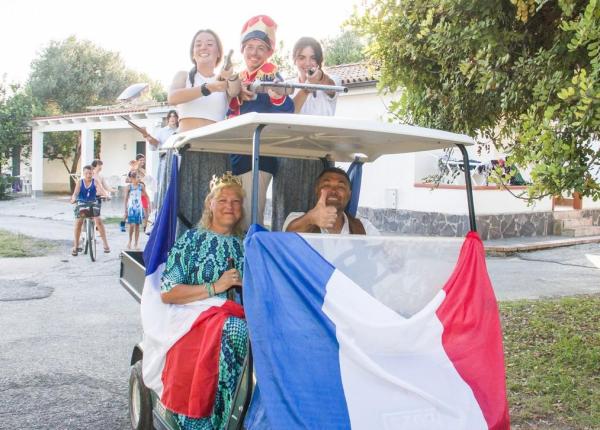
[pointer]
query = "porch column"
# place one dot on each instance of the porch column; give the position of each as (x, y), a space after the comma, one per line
(37, 163)
(87, 147)
(152, 157)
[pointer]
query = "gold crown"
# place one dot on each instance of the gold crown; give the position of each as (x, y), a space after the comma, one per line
(226, 179)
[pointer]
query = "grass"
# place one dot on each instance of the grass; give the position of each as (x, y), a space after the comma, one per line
(18, 245)
(552, 353)
(112, 220)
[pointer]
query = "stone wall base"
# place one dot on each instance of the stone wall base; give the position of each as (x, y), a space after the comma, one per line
(500, 226)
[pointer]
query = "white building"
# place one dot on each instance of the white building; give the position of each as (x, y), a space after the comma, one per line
(391, 185)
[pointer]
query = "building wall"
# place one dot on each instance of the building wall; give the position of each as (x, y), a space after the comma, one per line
(117, 149)
(56, 177)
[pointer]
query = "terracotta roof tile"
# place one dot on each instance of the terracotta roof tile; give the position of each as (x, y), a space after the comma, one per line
(105, 110)
(356, 74)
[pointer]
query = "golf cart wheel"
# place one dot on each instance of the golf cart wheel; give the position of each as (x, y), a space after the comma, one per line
(140, 402)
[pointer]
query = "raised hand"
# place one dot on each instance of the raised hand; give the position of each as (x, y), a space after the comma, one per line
(322, 215)
(315, 77)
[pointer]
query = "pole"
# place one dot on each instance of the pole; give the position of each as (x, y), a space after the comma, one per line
(255, 171)
(469, 187)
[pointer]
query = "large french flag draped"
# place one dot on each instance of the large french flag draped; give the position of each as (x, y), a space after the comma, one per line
(404, 344)
(179, 338)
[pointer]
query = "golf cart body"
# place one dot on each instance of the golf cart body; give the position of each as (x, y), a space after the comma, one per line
(279, 135)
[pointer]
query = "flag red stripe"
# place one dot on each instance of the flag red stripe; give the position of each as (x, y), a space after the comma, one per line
(191, 370)
(472, 335)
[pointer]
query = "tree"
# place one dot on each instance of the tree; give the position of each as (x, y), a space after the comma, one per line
(283, 59)
(71, 75)
(16, 109)
(345, 48)
(521, 74)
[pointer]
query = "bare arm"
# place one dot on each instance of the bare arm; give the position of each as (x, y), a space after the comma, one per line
(107, 187)
(151, 140)
(126, 198)
(99, 187)
(319, 77)
(76, 192)
(299, 100)
(144, 191)
(321, 216)
(183, 293)
(178, 93)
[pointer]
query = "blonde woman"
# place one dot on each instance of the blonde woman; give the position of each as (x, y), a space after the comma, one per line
(198, 268)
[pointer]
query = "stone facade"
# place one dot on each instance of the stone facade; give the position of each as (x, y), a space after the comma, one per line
(498, 226)
(594, 214)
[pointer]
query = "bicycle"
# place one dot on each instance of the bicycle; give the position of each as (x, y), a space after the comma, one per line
(89, 210)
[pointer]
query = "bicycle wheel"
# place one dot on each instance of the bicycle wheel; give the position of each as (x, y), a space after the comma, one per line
(91, 234)
(86, 240)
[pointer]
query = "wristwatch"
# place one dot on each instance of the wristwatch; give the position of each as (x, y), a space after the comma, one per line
(204, 90)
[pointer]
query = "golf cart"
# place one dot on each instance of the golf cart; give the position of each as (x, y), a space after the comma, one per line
(279, 135)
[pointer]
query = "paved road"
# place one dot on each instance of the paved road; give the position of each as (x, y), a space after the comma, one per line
(67, 327)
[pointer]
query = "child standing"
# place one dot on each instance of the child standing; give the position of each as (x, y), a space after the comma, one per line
(134, 212)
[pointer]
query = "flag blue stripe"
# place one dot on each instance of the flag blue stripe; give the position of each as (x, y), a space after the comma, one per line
(164, 233)
(355, 175)
(296, 353)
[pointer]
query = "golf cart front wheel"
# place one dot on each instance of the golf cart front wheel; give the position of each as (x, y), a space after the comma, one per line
(140, 402)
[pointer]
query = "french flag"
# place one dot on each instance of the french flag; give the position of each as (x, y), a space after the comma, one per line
(181, 343)
(366, 333)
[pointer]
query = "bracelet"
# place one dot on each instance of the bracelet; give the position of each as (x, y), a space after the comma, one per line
(210, 288)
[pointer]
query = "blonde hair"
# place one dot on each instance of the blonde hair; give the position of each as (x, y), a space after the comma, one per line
(207, 216)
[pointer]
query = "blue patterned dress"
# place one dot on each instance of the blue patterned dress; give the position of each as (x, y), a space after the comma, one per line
(200, 256)
(135, 212)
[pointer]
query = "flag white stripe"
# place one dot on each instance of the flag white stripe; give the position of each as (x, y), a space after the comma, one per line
(164, 324)
(395, 372)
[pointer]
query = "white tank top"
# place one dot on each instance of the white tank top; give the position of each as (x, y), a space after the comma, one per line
(213, 107)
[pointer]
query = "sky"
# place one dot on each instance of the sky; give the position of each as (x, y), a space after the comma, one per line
(153, 37)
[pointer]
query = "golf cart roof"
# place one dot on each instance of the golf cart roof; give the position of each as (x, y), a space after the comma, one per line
(311, 136)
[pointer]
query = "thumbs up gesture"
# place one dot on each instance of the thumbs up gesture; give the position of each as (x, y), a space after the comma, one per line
(322, 215)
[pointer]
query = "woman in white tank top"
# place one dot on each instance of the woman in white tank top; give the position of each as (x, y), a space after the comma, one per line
(202, 97)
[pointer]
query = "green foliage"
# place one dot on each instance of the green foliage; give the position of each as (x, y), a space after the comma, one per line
(521, 74)
(282, 57)
(16, 109)
(346, 48)
(71, 75)
(552, 350)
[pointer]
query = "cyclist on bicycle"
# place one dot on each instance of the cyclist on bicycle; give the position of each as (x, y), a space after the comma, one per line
(97, 166)
(85, 194)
